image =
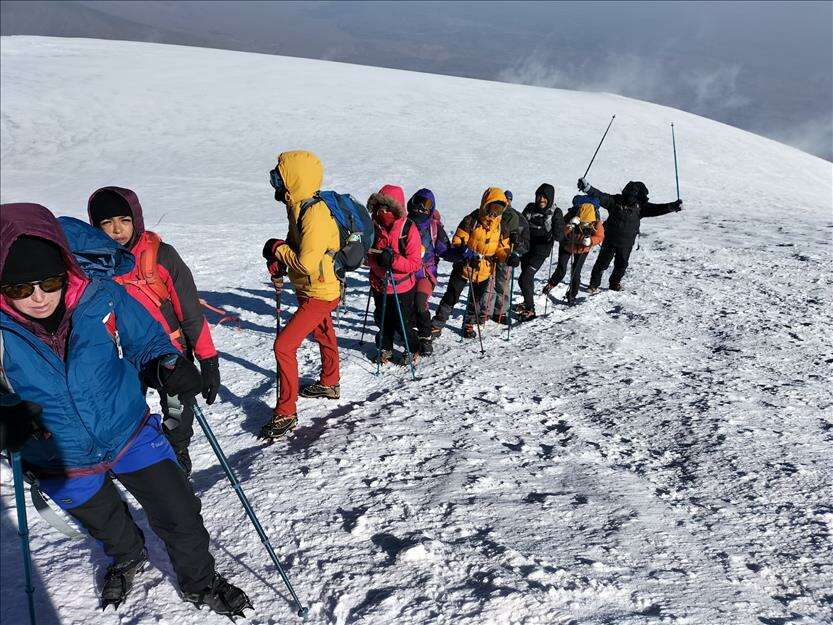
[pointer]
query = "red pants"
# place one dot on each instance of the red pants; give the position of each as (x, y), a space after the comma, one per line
(313, 315)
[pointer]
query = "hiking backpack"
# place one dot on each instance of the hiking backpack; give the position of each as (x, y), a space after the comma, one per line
(355, 229)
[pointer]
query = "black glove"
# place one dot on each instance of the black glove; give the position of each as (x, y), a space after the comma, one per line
(385, 258)
(18, 421)
(176, 375)
(210, 372)
(583, 185)
(269, 248)
(678, 206)
(514, 259)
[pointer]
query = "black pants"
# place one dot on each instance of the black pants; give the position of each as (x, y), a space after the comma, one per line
(456, 284)
(530, 264)
(173, 512)
(393, 325)
(422, 311)
(178, 430)
(565, 259)
(620, 254)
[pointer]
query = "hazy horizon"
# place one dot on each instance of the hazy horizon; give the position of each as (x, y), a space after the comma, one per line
(766, 67)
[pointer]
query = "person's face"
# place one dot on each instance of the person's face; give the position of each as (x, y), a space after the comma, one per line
(40, 304)
(120, 229)
(542, 201)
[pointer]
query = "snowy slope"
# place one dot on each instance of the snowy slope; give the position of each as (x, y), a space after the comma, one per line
(658, 455)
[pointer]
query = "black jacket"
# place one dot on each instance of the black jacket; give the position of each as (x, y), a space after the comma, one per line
(622, 223)
(518, 228)
(546, 227)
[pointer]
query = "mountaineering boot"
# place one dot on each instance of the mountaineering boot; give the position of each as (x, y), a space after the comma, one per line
(118, 580)
(617, 287)
(526, 315)
(426, 347)
(221, 597)
(519, 308)
(383, 356)
(316, 389)
(184, 460)
(436, 331)
(592, 290)
(570, 298)
(469, 331)
(278, 425)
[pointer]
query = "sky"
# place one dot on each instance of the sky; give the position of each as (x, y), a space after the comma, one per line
(766, 67)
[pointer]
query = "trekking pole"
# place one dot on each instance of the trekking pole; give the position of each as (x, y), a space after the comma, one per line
(549, 273)
(366, 312)
(509, 310)
(209, 434)
(23, 531)
(465, 311)
(676, 173)
(382, 326)
(476, 313)
(599, 147)
(402, 322)
(511, 294)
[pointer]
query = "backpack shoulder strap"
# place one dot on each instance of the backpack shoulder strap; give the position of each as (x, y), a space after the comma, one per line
(403, 236)
(147, 278)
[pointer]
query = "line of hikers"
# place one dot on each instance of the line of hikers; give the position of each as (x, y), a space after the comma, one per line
(92, 315)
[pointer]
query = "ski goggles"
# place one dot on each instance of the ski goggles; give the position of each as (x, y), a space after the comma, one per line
(494, 209)
(22, 291)
(423, 205)
(275, 180)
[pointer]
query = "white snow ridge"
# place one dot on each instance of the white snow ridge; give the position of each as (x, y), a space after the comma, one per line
(660, 455)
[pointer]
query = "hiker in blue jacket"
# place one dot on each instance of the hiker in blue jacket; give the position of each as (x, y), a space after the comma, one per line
(74, 347)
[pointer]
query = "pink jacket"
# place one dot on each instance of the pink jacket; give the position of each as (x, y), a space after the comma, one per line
(404, 266)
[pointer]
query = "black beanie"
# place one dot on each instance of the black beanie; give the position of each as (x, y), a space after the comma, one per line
(107, 204)
(32, 259)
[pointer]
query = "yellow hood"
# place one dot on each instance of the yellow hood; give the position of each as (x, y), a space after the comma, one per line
(587, 213)
(302, 173)
(493, 194)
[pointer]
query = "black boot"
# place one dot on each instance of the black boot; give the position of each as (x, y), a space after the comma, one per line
(426, 347)
(277, 426)
(221, 597)
(119, 580)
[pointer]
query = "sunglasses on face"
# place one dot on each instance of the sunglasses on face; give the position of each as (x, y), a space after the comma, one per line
(22, 291)
(275, 180)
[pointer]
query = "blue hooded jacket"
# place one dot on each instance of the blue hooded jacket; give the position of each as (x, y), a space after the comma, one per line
(93, 401)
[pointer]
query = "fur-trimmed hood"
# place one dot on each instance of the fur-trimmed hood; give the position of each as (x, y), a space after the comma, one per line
(391, 197)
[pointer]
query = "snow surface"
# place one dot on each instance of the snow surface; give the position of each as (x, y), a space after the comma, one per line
(660, 455)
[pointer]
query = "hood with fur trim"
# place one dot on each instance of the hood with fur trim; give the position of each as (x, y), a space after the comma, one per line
(391, 197)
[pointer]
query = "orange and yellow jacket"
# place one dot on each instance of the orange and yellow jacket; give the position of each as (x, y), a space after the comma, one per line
(485, 235)
(589, 226)
(312, 240)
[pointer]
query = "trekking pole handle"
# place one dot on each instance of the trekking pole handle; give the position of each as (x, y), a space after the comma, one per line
(598, 147)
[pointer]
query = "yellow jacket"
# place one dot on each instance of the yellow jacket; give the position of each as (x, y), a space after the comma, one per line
(305, 254)
(484, 235)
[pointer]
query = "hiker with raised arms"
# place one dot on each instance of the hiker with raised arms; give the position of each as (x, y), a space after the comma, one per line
(163, 284)
(75, 354)
(625, 211)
